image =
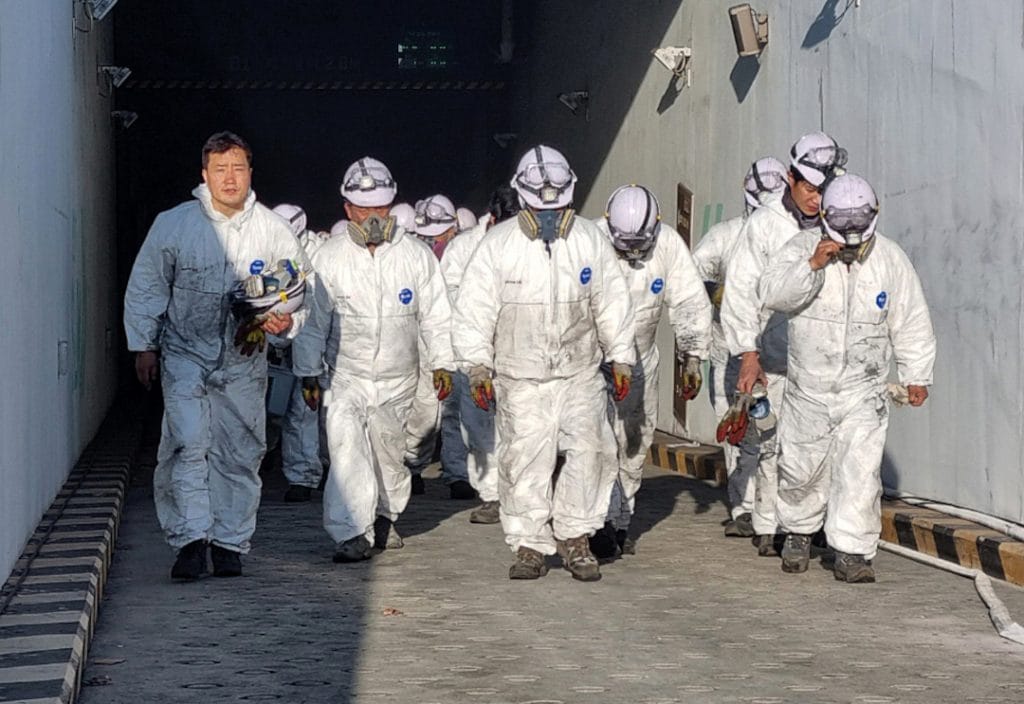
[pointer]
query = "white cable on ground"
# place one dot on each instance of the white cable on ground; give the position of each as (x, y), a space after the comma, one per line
(1001, 619)
(1013, 530)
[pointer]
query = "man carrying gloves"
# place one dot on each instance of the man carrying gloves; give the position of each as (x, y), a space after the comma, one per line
(213, 370)
(380, 291)
(854, 304)
(541, 303)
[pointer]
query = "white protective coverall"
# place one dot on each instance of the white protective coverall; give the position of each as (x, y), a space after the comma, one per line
(206, 485)
(300, 427)
(749, 327)
(543, 320)
(367, 317)
(712, 255)
(666, 279)
(845, 328)
(477, 428)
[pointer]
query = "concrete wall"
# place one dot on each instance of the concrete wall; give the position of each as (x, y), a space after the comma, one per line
(927, 95)
(59, 274)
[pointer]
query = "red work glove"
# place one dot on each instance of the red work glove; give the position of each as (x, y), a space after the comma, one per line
(622, 378)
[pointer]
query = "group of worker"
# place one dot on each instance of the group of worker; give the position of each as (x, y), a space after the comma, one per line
(527, 340)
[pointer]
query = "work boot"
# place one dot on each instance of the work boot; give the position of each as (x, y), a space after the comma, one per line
(577, 558)
(297, 494)
(740, 527)
(627, 546)
(529, 564)
(385, 537)
(796, 553)
(191, 562)
(602, 544)
(461, 490)
(768, 545)
(853, 569)
(353, 550)
(418, 487)
(226, 563)
(487, 512)
(820, 540)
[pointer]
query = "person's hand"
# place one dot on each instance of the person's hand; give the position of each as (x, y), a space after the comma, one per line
(733, 426)
(750, 373)
(917, 395)
(147, 368)
(250, 337)
(692, 379)
(276, 323)
(824, 253)
(311, 392)
(480, 387)
(622, 379)
(442, 383)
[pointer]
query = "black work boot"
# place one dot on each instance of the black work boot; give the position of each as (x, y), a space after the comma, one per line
(226, 563)
(385, 537)
(627, 546)
(796, 553)
(353, 550)
(297, 494)
(578, 559)
(529, 564)
(769, 545)
(461, 490)
(418, 487)
(191, 562)
(853, 569)
(740, 527)
(603, 545)
(487, 512)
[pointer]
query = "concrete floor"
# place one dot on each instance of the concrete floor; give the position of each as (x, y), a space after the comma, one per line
(693, 617)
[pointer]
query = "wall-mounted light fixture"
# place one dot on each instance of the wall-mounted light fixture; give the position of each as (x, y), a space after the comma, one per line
(676, 59)
(749, 29)
(115, 75)
(576, 100)
(124, 118)
(98, 9)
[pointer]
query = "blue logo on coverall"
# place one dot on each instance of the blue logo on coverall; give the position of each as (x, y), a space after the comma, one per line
(657, 285)
(585, 275)
(256, 267)
(882, 298)
(405, 296)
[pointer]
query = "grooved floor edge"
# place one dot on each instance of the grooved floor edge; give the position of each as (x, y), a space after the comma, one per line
(52, 600)
(925, 530)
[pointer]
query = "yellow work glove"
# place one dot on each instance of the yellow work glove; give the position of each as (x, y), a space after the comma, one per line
(622, 379)
(692, 378)
(442, 383)
(480, 387)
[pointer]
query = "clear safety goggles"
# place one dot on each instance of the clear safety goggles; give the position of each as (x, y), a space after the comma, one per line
(368, 178)
(429, 212)
(847, 221)
(546, 180)
(759, 182)
(822, 158)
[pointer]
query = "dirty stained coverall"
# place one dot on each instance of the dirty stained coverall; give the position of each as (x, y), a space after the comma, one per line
(846, 327)
(367, 316)
(748, 327)
(666, 279)
(206, 485)
(543, 318)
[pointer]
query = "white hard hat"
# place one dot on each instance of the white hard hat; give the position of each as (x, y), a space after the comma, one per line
(849, 209)
(435, 216)
(339, 227)
(634, 219)
(466, 218)
(368, 184)
(295, 216)
(816, 156)
(289, 283)
(544, 180)
(766, 175)
(405, 215)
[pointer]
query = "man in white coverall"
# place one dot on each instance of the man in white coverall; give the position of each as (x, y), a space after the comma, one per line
(300, 426)
(855, 305)
(661, 275)
(751, 332)
(765, 178)
(206, 485)
(479, 432)
(378, 292)
(541, 302)
(434, 224)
